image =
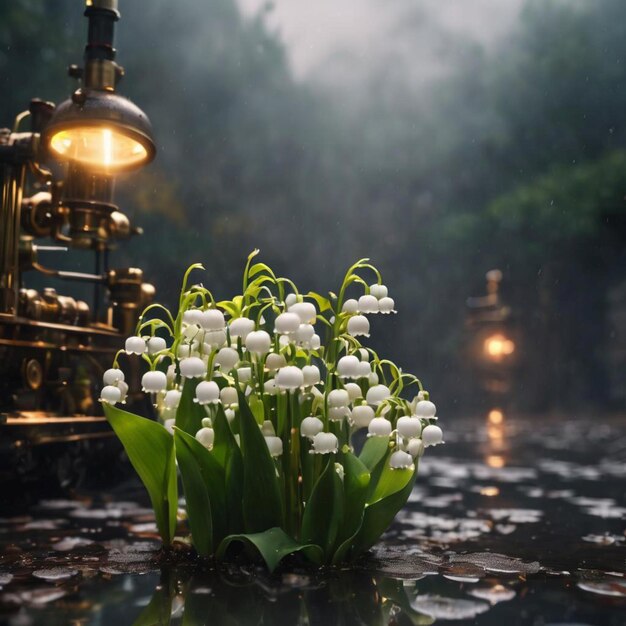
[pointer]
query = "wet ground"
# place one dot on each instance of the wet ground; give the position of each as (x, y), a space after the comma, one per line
(514, 521)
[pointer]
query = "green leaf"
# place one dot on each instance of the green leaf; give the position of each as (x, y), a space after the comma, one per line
(158, 612)
(390, 481)
(322, 303)
(150, 449)
(378, 516)
(321, 519)
(373, 451)
(261, 496)
(190, 414)
(355, 482)
(273, 545)
(225, 443)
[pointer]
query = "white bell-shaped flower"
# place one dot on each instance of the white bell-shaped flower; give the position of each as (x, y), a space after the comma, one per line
(338, 413)
(274, 361)
(368, 304)
(274, 445)
(212, 319)
(206, 436)
(386, 305)
(172, 399)
(289, 378)
(153, 382)
(230, 416)
(112, 376)
(215, 338)
(372, 378)
(359, 325)
(192, 317)
(350, 306)
(400, 460)
(362, 415)
(338, 397)
(156, 344)
(290, 299)
(270, 388)
(123, 387)
(310, 426)
(207, 392)
(241, 327)
(244, 374)
(377, 394)
(415, 447)
(110, 394)
(425, 409)
(348, 366)
(311, 375)
(363, 369)
(258, 342)
(354, 391)
(379, 427)
(325, 443)
(304, 334)
(287, 323)
(315, 342)
(192, 367)
(135, 345)
(409, 427)
(432, 436)
(378, 291)
(227, 358)
(229, 396)
(305, 311)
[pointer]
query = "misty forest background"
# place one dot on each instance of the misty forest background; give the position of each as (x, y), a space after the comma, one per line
(515, 158)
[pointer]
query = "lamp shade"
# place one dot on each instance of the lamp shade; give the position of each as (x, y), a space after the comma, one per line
(102, 131)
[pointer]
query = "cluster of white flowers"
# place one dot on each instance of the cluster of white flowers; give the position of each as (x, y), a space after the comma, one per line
(339, 384)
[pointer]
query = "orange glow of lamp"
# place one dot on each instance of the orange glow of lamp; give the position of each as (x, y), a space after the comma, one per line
(498, 346)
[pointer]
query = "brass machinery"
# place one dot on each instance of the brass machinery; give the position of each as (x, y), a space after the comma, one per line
(54, 348)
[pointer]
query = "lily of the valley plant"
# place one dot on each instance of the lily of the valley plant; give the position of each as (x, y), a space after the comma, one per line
(259, 398)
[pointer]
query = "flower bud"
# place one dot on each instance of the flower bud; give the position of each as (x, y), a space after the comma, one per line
(311, 375)
(135, 345)
(325, 443)
(363, 370)
(215, 338)
(378, 291)
(400, 460)
(241, 327)
(362, 415)
(192, 367)
(291, 299)
(123, 387)
(304, 334)
(206, 436)
(354, 391)
(274, 445)
(172, 399)
(376, 394)
(258, 342)
(315, 342)
(287, 323)
(270, 388)
(244, 374)
(207, 392)
(372, 379)
(310, 426)
(153, 382)
(305, 311)
(386, 305)
(192, 317)
(379, 427)
(212, 319)
(432, 435)
(289, 377)
(338, 397)
(227, 358)
(112, 376)
(359, 325)
(425, 409)
(110, 394)
(409, 427)
(368, 304)
(275, 361)
(415, 447)
(348, 366)
(169, 425)
(338, 413)
(350, 306)
(156, 344)
(267, 428)
(228, 396)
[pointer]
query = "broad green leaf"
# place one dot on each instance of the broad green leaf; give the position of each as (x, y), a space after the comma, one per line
(355, 482)
(234, 491)
(225, 443)
(374, 449)
(390, 481)
(321, 513)
(189, 414)
(260, 267)
(273, 545)
(150, 449)
(261, 496)
(257, 408)
(379, 515)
